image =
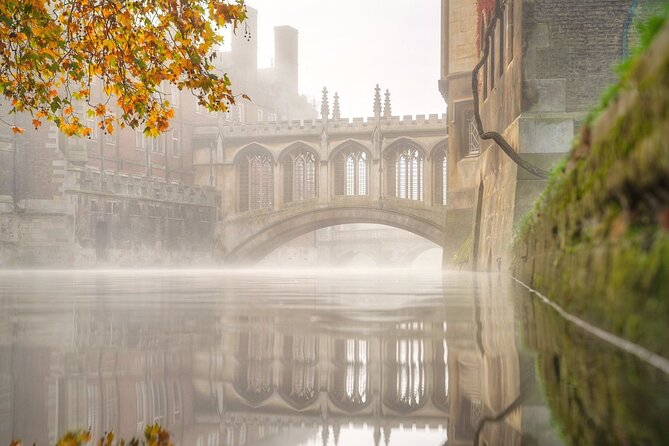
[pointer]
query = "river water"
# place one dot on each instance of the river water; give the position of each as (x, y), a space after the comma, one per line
(310, 358)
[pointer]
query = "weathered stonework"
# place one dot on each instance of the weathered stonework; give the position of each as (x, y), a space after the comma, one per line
(547, 65)
(598, 240)
(249, 234)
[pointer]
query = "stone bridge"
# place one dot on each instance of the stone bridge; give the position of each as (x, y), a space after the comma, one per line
(281, 180)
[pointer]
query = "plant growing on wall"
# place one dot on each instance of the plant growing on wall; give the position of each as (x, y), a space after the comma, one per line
(56, 54)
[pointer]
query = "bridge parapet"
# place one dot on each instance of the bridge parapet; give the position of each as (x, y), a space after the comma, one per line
(300, 127)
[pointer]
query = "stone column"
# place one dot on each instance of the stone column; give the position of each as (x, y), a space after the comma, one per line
(277, 202)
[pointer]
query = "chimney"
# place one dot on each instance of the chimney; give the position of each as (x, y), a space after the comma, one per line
(286, 58)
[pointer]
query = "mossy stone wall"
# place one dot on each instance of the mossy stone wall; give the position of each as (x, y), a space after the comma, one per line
(598, 240)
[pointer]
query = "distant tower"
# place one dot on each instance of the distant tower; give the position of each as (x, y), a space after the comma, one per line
(377, 102)
(387, 111)
(325, 107)
(335, 108)
(286, 57)
(245, 54)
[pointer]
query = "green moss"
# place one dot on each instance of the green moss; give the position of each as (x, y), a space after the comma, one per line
(592, 241)
(647, 31)
(598, 394)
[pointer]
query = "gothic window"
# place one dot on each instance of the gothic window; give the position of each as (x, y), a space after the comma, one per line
(410, 374)
(405, 173)
(351, 172)
(351, 374)
(356, 370)
(299, 176)
(300, 374)
(255, 181)
(473, 137)
(440, 162)
(406, 379)
(440, 394)
(254, 377)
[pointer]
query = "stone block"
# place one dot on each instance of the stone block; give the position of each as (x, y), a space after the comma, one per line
(545, 95)
(545, 134)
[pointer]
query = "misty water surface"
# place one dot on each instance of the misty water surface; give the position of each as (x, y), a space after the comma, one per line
(302, 358)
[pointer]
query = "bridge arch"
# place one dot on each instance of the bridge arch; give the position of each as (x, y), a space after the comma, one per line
(274, 235)
(254, 167)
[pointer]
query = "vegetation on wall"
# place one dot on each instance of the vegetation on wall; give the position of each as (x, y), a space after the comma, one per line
(597, 394)
(597, 240)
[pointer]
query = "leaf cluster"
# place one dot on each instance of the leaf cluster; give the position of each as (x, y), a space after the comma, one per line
(69, 61)
(154, 435)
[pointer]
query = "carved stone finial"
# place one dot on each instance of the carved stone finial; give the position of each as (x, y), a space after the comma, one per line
(377, 102)
(325, 107)
(387, 111)
(335, 108)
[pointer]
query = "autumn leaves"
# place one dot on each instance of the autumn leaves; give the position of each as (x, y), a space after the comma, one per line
(73, 62)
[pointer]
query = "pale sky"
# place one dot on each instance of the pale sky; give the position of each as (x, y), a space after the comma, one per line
(351, 45)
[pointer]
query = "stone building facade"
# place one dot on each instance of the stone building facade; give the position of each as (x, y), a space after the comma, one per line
(547, 66)
(281, 180)
(124, 198)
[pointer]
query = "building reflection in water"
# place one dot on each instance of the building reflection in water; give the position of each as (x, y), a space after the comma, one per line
(242, 376)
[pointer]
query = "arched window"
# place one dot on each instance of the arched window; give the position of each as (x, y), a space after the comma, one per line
(405, 165)
(255, 180)
(440, 163)
(300, 376)
(254, 375)
(299, 176)
(410, 373)
(406, 377)
(350, 380)
(351, 172)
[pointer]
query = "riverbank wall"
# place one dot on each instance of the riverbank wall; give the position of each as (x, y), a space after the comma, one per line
(597, 241)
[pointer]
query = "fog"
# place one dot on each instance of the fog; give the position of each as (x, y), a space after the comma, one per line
(350, 46)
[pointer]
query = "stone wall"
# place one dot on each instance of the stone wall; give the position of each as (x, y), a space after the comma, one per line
(548, 63)
(109, 219)
(598, 240)
(125, 221)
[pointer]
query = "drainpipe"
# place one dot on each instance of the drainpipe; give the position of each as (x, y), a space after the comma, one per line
(626, 28)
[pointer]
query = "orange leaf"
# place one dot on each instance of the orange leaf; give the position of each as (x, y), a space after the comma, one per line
(17, 130)
(37, 123)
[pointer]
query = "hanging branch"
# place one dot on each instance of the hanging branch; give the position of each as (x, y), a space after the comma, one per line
(495, 136)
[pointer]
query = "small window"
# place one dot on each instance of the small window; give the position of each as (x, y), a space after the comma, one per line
(176, 142)
(157, 144)
(175, 96)
(139, 140)
(110, 138)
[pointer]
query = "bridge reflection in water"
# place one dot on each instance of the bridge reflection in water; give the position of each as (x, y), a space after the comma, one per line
(265, 359)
